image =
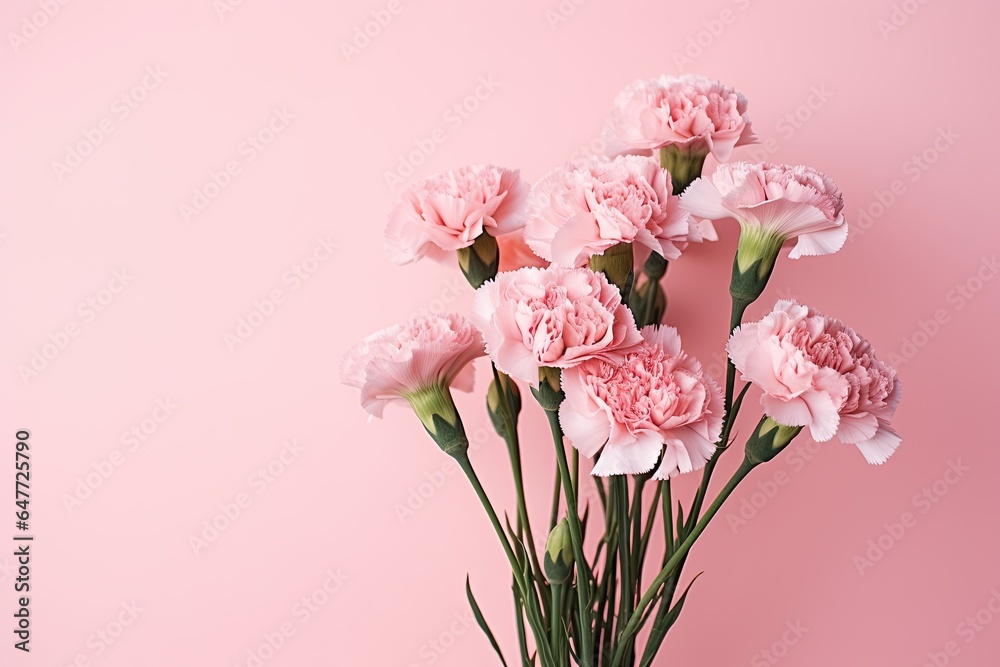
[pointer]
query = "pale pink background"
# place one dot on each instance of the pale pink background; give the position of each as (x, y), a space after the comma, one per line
(334, 508)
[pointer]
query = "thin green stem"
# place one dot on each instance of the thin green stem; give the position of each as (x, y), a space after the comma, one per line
(534, 616)
(650, 522)
(514, 451)
(735, 319)
(632, 626)
(635, 512)
(575, 468)
(556, 495)
(467, 468)
(576, 535)
(522, 640)
(627, 596)
(668, 518)
(555, 626)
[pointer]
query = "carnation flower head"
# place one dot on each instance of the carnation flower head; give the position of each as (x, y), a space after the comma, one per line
(816, 372)
(692, 113)
(655, 405)
(576, 213)
(775, 204)
(449, 211)
(419, 359)
(555, 317)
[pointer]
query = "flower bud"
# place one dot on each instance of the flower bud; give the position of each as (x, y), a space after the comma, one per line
(480, 261)
(549, 393)
(618, 265)
(558, 559)
(755, 256)
(684, 163)
(435, 408)
(769, 439)
(499, 393)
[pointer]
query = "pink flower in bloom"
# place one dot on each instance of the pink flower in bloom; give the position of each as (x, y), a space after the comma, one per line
(819, 373)
(433, 350)
(449, 211)
(555, 317)
(576, 213)
(657, 400)
(784, 201)
(695, 113)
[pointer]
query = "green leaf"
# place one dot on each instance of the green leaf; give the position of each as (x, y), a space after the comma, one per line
(519, 551)
(663, 625)
(681, 528)
(478, 613)
(522, 641)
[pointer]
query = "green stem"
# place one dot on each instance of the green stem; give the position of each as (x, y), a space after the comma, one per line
(632, 626)
(576, 534)
(522, 641)
(612, 590)
(470, 472)
(575, 468)
(534, 617)
(555, 626)
(735, 319)
(648, 531)
(627, 587)
(554, 516)
(514, 449)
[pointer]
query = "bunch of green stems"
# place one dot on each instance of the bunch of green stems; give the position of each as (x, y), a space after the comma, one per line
(592, 610)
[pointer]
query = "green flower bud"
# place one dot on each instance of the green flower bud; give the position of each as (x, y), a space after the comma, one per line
(549, 393)
(558, 560)
(755, 256)
(769, 439)
(435, 408)
(500, 392)
(683, 163)
(480, 261)
(618, 265)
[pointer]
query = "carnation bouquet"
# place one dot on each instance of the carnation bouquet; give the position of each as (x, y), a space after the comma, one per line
(570, 302)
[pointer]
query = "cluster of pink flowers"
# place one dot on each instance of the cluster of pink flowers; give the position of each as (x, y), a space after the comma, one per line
(569, 278)
(634, 399)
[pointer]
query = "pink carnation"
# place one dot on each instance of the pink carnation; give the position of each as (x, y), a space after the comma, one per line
(554, 317)
(695, 113)
(405, 358)
(451, 210)
(576, 213)
(791, 202)
(657, 400)
(819, 373)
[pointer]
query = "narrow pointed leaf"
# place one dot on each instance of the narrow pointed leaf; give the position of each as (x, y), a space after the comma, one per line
(663, 625)
(478, 613)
